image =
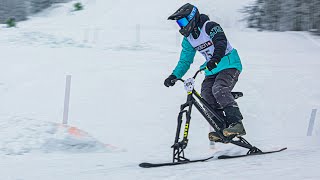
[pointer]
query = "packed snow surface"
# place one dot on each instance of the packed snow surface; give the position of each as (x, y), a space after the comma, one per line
(119, 53)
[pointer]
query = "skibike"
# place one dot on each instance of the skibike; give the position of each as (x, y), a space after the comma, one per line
(215, 121)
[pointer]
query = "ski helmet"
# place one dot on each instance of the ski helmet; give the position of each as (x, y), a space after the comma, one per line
(187, 18)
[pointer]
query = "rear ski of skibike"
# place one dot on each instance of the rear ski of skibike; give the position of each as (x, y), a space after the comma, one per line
(217, 122)
(252, 154)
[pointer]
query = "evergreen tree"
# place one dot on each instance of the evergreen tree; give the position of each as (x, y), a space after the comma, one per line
(316, 15)
(11, 22)
(20, 9)
(38, 5)
(272, 16)
(301, 15)
(12, 9)
(288, 15)
(78, 6)
(255, 13)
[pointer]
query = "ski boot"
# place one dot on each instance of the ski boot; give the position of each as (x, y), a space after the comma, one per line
(235, 129)
(213, 136)
(234, 117)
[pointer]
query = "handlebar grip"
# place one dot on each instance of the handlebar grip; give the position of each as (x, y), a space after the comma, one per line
(175, 80)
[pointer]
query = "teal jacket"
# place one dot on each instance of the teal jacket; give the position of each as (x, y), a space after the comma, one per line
(231, 60)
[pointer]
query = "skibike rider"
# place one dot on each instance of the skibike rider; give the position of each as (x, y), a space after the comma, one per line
(217, 104)
(223, 66)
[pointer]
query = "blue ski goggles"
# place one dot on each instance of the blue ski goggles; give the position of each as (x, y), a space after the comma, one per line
(183, 22)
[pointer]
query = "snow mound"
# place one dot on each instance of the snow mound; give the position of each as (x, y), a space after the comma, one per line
(22, 135)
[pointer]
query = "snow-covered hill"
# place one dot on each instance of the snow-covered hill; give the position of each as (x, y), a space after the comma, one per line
(119, 53)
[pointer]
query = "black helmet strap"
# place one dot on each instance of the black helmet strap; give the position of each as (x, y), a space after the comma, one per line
(196, 32)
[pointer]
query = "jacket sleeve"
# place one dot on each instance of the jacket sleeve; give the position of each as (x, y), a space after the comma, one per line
(186, 59)
(219, 40)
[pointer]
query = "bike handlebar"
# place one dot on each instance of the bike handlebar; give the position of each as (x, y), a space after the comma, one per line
(196, 74)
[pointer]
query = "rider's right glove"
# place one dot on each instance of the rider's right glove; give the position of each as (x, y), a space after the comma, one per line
(169, 81)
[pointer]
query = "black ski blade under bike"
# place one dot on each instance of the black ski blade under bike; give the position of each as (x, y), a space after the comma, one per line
(151, 165)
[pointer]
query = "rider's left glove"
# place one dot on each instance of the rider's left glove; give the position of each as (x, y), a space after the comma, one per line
(212, 64)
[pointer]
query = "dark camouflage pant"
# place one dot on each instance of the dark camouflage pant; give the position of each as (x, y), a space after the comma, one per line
(216, 89)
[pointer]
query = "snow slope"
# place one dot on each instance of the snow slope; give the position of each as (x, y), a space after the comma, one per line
(119, 53)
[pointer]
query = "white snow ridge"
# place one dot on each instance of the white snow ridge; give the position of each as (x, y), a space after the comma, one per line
(24, 135)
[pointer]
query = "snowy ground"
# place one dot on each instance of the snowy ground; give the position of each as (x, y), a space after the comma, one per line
(118, 57)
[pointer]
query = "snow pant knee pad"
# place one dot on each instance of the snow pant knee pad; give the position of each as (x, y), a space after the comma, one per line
(223, 96)
(232, 114)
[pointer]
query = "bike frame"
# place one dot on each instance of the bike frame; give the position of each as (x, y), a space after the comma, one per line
(195, 99)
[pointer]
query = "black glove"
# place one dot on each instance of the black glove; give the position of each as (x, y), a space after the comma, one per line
(169, 81)
(212, 64)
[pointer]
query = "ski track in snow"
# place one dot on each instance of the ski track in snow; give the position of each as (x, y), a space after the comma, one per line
(117, 96)
(307, 35)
